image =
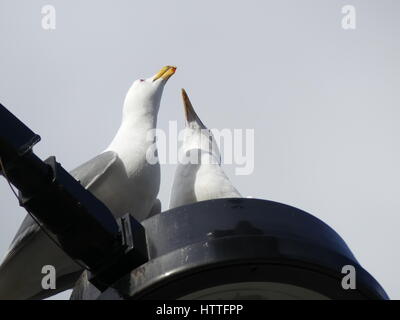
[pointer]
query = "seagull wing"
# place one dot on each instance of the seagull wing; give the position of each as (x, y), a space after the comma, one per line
(93, 170)
(31, 246)
(212, 183)
(199, 182)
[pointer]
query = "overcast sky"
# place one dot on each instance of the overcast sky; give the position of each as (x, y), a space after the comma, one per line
(323, 101)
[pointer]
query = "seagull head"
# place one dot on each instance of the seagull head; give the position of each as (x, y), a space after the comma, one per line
(144, 95)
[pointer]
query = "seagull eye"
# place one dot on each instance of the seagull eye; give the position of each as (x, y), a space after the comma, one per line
(141, 80)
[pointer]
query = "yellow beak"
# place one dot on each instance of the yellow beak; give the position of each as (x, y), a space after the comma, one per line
(190, 115)
(187, 106)
(165, 73)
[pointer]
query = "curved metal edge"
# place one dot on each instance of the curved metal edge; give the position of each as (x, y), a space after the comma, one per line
(214, 262)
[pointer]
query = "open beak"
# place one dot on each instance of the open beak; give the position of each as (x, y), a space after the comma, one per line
(165, 73)
(190, 114)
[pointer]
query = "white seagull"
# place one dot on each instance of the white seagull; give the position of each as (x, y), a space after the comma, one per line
(199, 175)
(121, 177)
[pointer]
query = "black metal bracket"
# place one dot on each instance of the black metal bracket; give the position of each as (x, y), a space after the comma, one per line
(79, 223)
(133, 239)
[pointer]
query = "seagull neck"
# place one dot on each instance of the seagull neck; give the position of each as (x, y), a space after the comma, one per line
(146, 121)
(133, 132)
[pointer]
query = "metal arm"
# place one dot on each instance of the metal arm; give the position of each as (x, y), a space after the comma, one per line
(83, 226)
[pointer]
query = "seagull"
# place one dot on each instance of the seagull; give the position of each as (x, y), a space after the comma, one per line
(199, 175)
(121, 177)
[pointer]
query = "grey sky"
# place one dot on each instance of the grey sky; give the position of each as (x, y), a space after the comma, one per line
(324, 102)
